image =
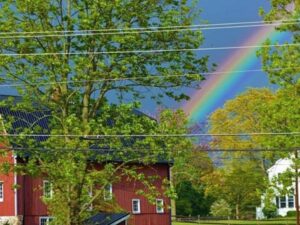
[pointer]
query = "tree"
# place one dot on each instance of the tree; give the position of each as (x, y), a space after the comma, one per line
(191, 200)
(255, 111)
(244, 114)
(282, 63)
(196, 163)
(220, 208)
(188, 169)
(240, 184)
(68, 59)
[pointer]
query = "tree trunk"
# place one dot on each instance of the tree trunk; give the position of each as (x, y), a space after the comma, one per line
(237, 211)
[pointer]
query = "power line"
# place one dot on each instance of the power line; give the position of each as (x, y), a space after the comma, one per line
(149, 51)
(138, 150)
(154, 27)
(190, 135)
(143, 78)
(192, 28)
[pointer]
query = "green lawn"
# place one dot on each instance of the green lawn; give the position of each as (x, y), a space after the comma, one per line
(281, 221)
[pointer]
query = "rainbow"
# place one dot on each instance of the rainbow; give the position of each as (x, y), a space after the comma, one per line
(211, 95)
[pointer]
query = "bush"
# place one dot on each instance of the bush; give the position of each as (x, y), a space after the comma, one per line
(270, 211)
(220, 208)
(291, 213)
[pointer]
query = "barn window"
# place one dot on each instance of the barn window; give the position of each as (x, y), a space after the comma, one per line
(136, 206)
(108, 192)
(47, 189)
(159, 205)
(45, 220)
(1, 192)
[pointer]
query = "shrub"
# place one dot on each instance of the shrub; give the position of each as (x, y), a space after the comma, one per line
(270, 211)
(220, 208)
(291, 213)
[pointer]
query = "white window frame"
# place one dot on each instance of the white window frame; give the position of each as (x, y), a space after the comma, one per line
(282, 200)
(47, 218)
(290, 197)
(108, 194)
(45, 194)
(159, 205)
(138, 201)
(1, 191)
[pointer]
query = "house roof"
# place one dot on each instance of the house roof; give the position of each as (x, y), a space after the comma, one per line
(107, 219)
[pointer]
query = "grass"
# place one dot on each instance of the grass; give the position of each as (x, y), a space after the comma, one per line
(280, 221)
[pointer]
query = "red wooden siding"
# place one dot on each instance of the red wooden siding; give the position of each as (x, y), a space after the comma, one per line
(7, 207)
(31, 205)
(29, 198)
(125, 191)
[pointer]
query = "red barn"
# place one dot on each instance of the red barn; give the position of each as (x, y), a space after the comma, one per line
(26, 203)
(26, 206)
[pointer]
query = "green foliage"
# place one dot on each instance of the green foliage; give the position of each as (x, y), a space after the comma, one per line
(239, 184)
(255, 111)
(282, 63)
(270, 211)
(220, 208)
(76, 89)
(196, 164)
(192, 201)
(291, 214)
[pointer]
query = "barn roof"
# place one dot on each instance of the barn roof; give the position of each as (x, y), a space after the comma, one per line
(107, 219)
(32, 120)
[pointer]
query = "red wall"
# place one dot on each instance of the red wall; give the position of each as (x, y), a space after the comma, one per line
(31, 205)
(124, 191)
(7, 207)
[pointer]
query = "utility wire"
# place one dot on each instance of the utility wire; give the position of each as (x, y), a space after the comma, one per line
(143, 78)
(140, 31)
(138, 150)
(155, 27)
(190, 135)
(149, 51)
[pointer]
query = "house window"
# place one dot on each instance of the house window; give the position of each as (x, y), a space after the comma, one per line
(277, 202)
(45, 220)
(1, 191)
(47, 189)
(108, 192)
(282, 202)
(159, 205)
(136, 206)
(291, 201)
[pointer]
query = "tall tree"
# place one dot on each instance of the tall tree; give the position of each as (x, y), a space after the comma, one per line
(282, 63)
(255, 111)
(67, 57)
(239, 183)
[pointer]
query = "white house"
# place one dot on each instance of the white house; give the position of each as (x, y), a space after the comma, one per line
(284, 203)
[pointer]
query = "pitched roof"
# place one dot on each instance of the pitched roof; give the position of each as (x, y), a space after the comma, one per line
(107, 219)
(31, 120)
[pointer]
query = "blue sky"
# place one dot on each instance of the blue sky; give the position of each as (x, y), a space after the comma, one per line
(227, 11)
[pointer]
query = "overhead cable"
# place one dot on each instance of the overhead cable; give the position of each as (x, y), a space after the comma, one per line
(120, 30)
(150, 77)
(114, 150)
(148, 51)
(138, 32)
(190, 135)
